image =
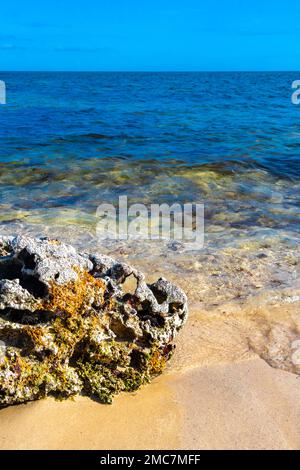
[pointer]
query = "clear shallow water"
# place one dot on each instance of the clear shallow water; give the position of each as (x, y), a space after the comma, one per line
(70, 141)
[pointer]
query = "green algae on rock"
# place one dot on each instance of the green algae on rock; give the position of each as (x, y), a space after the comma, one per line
(68, 326)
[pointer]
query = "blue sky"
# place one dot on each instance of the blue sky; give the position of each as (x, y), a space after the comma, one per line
(150, 35)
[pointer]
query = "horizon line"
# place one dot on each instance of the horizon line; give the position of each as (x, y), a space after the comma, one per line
(150, 71)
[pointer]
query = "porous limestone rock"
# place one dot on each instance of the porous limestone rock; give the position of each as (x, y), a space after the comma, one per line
(68, 326)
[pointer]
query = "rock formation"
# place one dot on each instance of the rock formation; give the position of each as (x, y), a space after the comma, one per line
(68, 326)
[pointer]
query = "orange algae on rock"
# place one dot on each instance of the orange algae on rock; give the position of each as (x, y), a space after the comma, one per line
(73, 297)
(67, 327)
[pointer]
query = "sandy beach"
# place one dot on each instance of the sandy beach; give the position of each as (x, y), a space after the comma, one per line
(245, 405)
(217, 393)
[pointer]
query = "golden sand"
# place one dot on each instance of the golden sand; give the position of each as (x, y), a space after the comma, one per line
(232, 383)
(244, 405)
(216, 394)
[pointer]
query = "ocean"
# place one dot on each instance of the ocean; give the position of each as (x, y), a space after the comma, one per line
(71, 141)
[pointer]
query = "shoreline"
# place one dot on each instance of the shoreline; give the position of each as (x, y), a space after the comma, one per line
(232, 383)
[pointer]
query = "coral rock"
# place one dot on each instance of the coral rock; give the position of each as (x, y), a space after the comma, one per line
(68, 326)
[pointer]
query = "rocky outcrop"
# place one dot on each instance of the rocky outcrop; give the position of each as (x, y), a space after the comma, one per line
(68, 326)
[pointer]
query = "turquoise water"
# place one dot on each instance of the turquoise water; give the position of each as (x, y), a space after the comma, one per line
(70, 141)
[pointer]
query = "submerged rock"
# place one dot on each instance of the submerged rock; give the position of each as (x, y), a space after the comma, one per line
(68, 326)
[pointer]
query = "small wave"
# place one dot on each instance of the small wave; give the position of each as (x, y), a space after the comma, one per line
(80, 137)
